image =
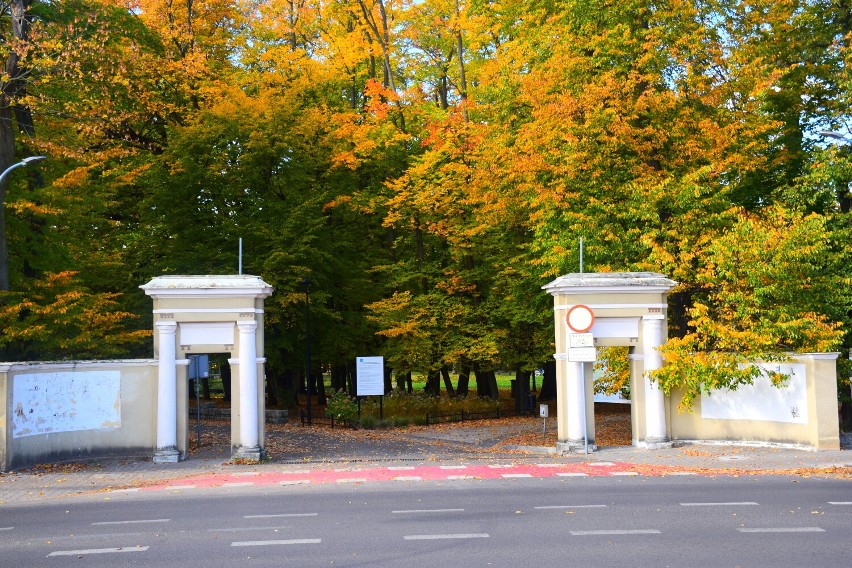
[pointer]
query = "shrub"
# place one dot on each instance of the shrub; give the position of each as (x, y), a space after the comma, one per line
(341, 407)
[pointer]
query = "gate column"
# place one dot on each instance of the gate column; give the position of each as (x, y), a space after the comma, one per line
(656, 435)
(248, 446)
(166, 450)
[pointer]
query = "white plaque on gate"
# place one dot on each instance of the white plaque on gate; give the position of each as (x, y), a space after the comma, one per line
(577, 340)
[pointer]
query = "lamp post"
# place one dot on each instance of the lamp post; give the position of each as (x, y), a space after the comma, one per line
(307, 283)
(4, 253)
(24, 162)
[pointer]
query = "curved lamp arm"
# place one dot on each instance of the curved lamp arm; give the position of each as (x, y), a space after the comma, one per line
(24, 162)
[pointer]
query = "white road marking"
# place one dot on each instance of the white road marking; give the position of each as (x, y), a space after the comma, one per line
(6, 528)
(445, 536)
(178, 487)
(297, 471)
(84, 536)
(352, 480)
(408, 478)
(729, 504)
(615, 532)
(280, 515)
(840, 502)
(681, 473)
(511, 475)
(600, 464)
(548, 465)
(243, 529)
(295, 482)
(407, 511)
(571, 507)
(625, 473)
(571, 474)
(452, 467)
(239, 484)
(401, 468)
(97, 551)
(347, 470)
(131, 522)
(500, 466)
(277, 542)
(783, 530)
(459, 477)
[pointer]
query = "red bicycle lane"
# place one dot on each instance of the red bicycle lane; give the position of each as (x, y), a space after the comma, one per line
(409, 473)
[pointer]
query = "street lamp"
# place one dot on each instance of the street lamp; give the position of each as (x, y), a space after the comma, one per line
(836, 135)
(307, 283)
(24, 162)
(4, 251)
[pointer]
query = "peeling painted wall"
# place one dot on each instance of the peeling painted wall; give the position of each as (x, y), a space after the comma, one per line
(57, 411)
(65, 401)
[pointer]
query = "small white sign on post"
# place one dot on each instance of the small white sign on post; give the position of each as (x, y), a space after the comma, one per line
(543, 410)
(581, 348)
(370, 373)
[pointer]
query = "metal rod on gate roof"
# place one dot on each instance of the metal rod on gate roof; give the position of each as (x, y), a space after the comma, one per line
(240, 266)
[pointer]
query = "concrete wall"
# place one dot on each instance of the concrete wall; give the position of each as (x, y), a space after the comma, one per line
(802, 413)
(51, 412)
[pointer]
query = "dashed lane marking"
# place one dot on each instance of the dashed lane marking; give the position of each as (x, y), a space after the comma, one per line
(248, 529)
(840, 502)
(277, 542)
(723, 504)
(86, 551)
(452, 467)
(445, 536)
(571, 474)
(408, 478)
(615, 532)
(238, 484)
(418, 511)
(6, 528)
(352, 480)
(280, 515)
(131, 522)
(515, 475)
(296, 482)
(571, 507)
(782, 530)
(625, 473)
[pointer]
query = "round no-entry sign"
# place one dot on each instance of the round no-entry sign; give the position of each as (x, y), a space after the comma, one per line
(580, 318)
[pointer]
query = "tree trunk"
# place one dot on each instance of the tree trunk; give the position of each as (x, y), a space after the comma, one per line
(12, 90)
(388, 380)
(433, 383)
(548, 382)
(463, 382)
(448, 382)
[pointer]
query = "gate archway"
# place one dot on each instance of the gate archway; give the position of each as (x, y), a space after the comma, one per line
(629, 309)
(209, 314)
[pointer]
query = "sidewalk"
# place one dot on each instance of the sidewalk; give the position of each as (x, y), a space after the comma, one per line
(318, 451)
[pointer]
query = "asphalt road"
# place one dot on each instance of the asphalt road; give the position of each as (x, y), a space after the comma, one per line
(596, 521)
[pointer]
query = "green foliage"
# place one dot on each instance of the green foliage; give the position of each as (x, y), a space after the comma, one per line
(341, 407)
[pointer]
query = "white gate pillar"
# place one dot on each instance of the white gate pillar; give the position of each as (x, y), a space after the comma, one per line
(248, 445)
(656, 432)
(166, 450)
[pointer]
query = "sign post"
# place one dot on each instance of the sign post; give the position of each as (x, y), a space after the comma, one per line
(581, 349)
